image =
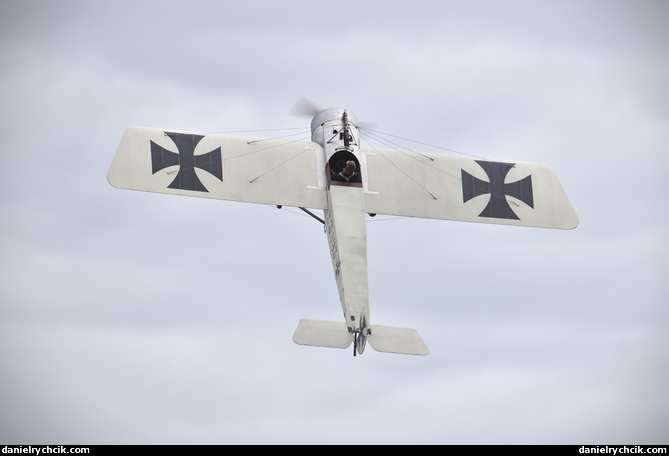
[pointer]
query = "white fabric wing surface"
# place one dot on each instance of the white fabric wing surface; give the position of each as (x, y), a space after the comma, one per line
(218, 166)
(461, 188)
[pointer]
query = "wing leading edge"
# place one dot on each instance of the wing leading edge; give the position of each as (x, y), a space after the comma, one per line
(226, 167)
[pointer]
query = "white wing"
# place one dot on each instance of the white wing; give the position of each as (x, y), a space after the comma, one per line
(452, 187)
(289, 173)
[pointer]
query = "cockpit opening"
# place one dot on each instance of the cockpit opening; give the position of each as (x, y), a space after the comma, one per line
(344, 168)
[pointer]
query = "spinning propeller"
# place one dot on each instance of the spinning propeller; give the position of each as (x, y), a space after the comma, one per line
(305, 108)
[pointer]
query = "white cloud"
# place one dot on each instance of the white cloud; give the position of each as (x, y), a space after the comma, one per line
(142, 318)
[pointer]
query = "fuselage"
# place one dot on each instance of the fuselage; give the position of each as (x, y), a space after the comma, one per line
(336, 130)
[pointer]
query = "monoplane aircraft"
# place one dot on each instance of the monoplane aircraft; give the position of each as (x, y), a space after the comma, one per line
(347, 182)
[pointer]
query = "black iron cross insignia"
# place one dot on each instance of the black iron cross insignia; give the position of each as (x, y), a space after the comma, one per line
(498, 206)
(186, 178)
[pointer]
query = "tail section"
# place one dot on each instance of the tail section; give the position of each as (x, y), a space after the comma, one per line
(335, 334)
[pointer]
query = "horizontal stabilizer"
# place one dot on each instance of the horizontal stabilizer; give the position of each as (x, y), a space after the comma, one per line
(319, 333)
(389, 339)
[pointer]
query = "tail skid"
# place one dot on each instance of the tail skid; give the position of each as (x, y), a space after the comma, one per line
(333, 334)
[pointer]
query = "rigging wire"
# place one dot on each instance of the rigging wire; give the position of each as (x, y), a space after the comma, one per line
(423, 143)
(402, 150)
(370, 134)
(403, 172)
(254, 131)
(266, 148)
(458, 178)
(375, 135)
(278, 166)
(275, 137)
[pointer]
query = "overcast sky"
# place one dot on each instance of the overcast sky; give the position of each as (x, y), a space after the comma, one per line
(129, 317)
